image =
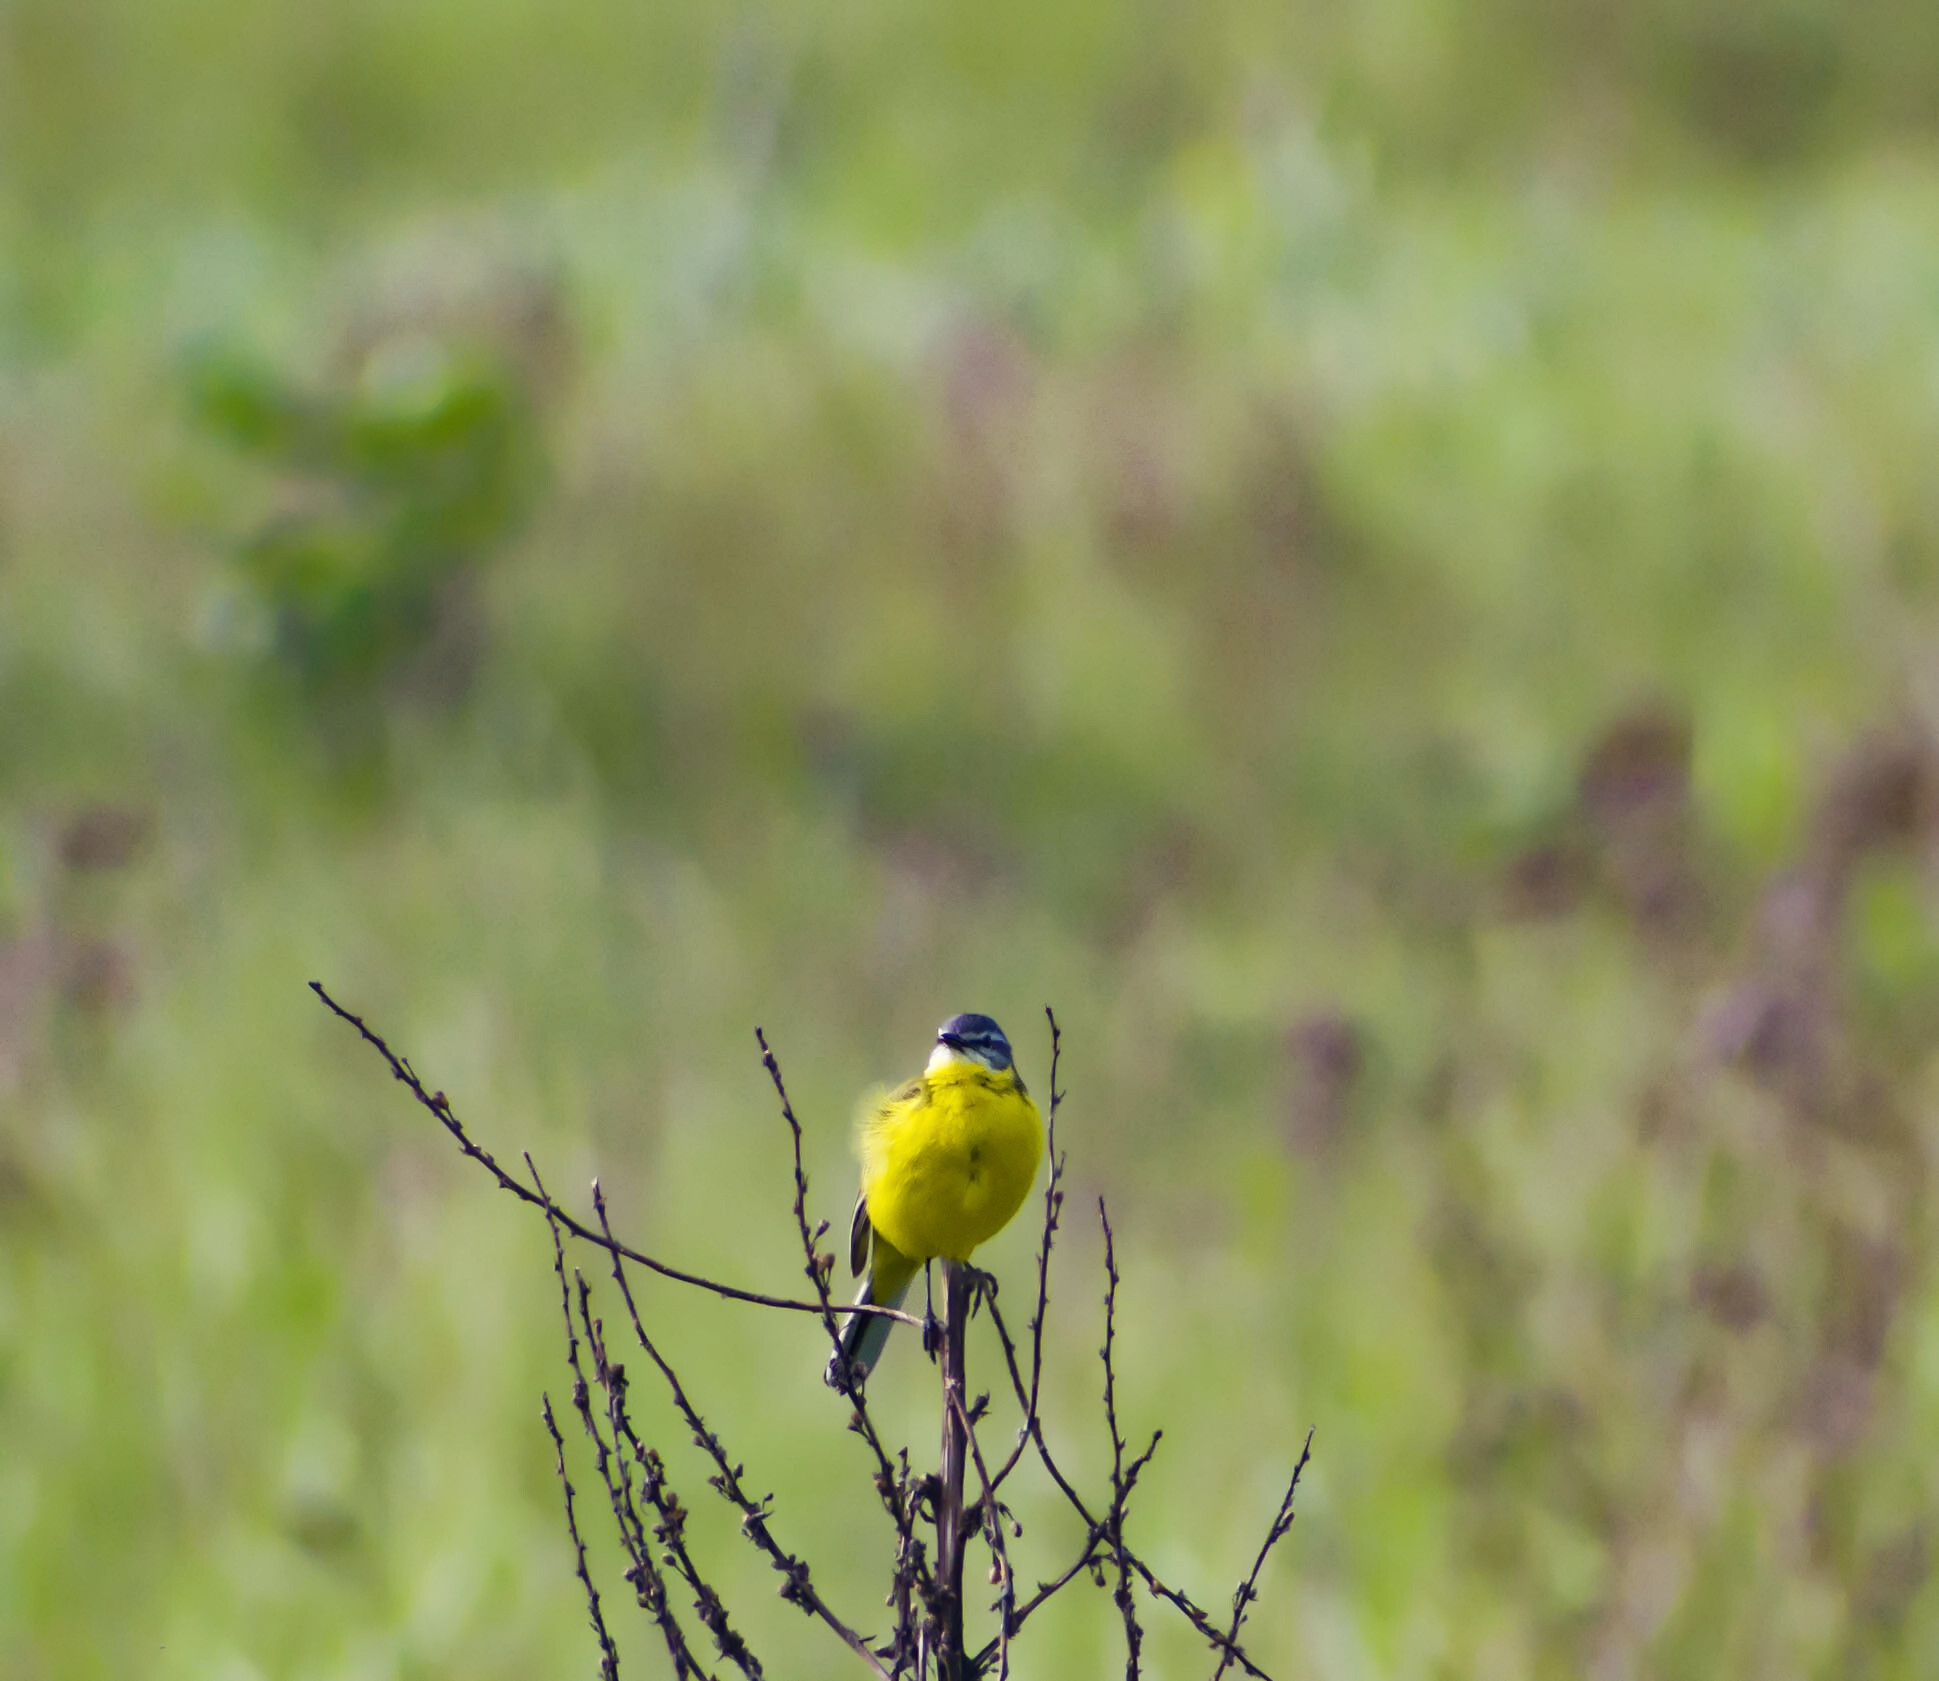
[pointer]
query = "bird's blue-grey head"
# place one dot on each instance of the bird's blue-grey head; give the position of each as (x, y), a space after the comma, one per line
(976, 1037)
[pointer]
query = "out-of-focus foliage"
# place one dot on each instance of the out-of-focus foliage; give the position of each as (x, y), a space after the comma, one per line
(420, 473)
(1384, 559)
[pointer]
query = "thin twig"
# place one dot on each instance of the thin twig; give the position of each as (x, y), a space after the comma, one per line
(670, 1530)
(440, 1106)
(648, 1585)
(1053, 1208)
(1046, 1591)
(797, 1587)
(909, 1582)
(671, 1515)
(1101, 1534)
(1123, 1596)
(817, 1273)
(1033, 1421)
(1094, 1526)
(1249, 1589)
(1198, 1619)
(645, 1576)
(608, 1652)
(912, 1579)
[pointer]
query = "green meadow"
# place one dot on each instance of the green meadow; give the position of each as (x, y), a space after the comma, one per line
(1383, 561)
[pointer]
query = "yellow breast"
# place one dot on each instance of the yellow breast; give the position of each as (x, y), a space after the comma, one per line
(948, 1159)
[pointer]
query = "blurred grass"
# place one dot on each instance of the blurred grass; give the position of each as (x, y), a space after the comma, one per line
(1382, 561)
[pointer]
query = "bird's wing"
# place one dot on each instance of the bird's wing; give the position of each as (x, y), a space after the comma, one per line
(859, 1234)
(881, 1109)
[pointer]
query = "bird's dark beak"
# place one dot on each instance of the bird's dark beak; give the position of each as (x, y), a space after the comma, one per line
(951, 1040)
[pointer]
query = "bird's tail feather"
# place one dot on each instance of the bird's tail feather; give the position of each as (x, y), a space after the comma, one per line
(864, 1335)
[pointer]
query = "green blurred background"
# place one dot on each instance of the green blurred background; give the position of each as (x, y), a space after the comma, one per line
(1383, 559)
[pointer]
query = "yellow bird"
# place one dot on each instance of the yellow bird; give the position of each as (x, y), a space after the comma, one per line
(946, 1161)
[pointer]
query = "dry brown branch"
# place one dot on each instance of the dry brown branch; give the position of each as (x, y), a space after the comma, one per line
(927, 1641)
(440, 1106)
